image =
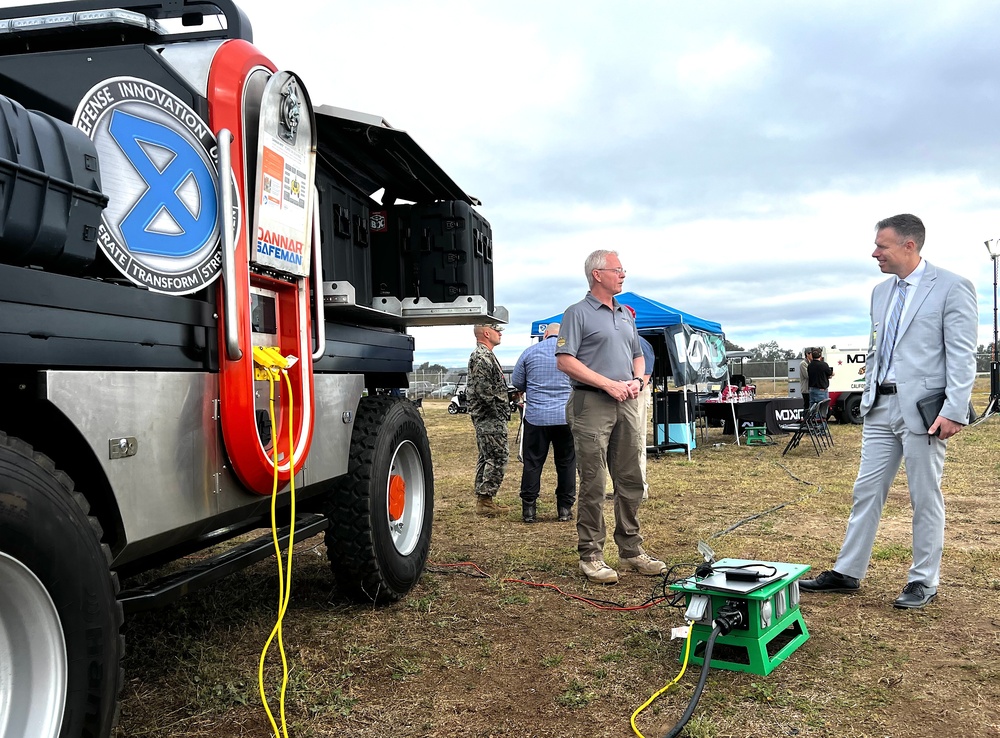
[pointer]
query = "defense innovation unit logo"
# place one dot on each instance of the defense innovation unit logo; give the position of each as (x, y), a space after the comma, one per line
(158, 167)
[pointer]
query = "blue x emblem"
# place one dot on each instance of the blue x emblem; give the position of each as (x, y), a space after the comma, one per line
(161, 198)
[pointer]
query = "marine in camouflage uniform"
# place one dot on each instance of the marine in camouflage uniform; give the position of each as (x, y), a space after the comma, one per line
(489, 406)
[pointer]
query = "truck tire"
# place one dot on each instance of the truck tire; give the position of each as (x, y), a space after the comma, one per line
(381, 511)
(60, 620)
(852, 410)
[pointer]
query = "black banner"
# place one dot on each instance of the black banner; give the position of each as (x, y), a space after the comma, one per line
(696, 356)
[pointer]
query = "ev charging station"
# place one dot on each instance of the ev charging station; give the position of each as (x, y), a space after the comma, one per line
(265, 290)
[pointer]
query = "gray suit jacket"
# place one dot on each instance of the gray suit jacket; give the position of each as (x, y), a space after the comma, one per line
(935, 345)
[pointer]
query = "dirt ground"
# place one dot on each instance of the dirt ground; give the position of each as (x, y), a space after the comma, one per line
(472, 655)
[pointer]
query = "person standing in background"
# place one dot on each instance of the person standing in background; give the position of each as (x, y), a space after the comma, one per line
(489, 407)
(819, 377)
(804, 378)
(648, 357)
(546, 391)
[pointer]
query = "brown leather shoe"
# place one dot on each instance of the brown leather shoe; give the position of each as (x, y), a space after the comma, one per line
(487, 505)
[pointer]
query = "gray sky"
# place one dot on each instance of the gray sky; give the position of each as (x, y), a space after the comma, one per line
(736, 154)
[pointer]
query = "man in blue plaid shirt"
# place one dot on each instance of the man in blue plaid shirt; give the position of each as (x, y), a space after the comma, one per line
(547, 392)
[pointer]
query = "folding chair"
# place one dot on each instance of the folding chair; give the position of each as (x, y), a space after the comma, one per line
(806, 427)
(823, 427)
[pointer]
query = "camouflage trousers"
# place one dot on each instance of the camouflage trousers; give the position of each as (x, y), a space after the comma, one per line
(491, 439)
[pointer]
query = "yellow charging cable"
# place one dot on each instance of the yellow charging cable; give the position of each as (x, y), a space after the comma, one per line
(272, 362)
(647, 703)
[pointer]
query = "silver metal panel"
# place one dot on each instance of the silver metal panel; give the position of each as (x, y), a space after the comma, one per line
(170, 481)
(338, 300)
(192, 61)
(177, 479)
(335, 395)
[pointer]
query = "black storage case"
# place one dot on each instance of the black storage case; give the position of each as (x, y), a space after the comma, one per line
(390, 251)
(453, 252)
(345, 238)
(50, 192)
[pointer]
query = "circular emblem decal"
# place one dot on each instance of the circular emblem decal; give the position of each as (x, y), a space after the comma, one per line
(159, 171)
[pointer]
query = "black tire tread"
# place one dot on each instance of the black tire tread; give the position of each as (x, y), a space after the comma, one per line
(63, 480)
(349, 541)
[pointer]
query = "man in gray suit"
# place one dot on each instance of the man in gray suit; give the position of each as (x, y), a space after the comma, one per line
(923, 341)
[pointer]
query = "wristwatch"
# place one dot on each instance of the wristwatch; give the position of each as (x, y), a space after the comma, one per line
(642, 383)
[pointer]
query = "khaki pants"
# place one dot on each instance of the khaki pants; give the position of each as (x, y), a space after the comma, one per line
(606, 436)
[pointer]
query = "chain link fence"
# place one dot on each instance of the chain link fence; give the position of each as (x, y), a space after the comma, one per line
(433, 385)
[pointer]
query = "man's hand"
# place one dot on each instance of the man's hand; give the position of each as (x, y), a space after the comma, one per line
(617, 390)
(622, 391)
(945, 428)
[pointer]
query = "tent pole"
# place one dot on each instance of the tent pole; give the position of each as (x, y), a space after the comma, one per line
(732, 407)
(687, 420)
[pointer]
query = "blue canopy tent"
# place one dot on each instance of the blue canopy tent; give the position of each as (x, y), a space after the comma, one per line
(648, 314)
(688, 348)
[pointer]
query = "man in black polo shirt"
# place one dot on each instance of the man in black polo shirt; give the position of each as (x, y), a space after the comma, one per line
(819, 377)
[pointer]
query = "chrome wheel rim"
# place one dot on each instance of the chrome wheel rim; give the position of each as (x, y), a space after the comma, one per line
(405, 505)
(33, 663)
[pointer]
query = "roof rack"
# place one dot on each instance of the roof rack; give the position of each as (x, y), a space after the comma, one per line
(69, 25)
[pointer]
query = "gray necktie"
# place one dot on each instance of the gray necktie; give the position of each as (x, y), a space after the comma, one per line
(889, 339)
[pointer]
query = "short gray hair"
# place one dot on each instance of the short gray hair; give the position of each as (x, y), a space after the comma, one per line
(597, 260)
(906, 226)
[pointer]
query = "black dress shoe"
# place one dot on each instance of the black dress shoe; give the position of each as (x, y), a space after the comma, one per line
(565, 514)
(915, 595)
(830, 581)
(528, 512)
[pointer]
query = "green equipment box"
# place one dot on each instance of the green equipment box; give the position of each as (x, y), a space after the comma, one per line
(772, 627)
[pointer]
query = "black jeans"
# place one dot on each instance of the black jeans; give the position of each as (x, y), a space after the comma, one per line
(535, 447)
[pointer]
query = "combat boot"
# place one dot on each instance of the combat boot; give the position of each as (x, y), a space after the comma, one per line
(487, 505)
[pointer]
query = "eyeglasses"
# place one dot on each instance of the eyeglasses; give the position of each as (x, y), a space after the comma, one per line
(617, 270)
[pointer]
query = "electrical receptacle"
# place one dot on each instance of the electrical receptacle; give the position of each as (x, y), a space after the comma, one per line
(699, 609)
(741, 606)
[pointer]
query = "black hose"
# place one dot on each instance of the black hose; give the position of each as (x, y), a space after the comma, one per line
(679, 725)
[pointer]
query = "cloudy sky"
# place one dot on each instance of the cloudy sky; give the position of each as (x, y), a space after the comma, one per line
(736, 154)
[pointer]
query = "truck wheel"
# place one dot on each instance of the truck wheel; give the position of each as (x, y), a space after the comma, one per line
(852, 410)
(381, 512)
(60, 640)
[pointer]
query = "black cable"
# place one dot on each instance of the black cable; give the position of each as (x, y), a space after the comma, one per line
(661, 591)
(747, 519)
(693, 703)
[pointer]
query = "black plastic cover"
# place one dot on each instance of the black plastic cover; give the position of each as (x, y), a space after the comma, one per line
(440, 251)
(50, 192)
(345, 238)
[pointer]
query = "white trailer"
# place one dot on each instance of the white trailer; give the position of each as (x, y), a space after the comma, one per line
(846, 384)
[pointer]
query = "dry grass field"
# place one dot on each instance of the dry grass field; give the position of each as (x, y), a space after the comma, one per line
(468, 656)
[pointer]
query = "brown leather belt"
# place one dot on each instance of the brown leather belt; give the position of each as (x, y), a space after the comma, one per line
(885, 389)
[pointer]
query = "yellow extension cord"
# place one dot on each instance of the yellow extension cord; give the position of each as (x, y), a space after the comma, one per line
(647, 703)
(284, 582)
